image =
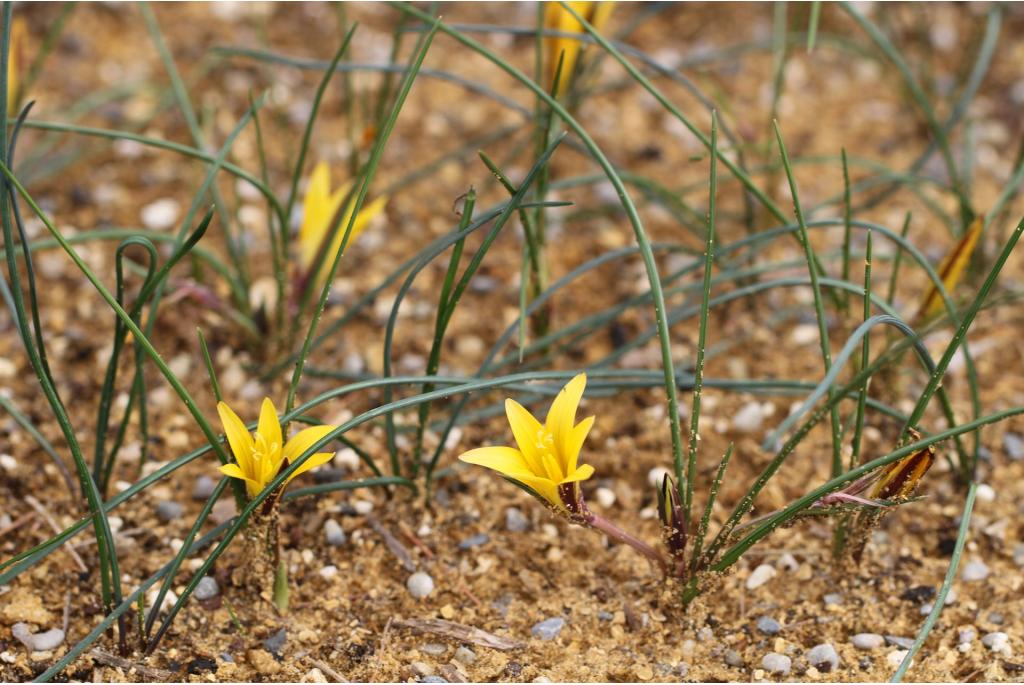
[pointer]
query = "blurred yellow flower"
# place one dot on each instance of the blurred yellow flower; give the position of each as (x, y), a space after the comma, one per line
(899, 479)
(547, 459)
(261, 456)
(556, 18)
(19, 36)
(319, 208)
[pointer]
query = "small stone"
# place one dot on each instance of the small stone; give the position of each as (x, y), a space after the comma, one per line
(774, 662)
(734, 659)
(1018, 554)
(160, 215)
(334, 534)
(896, 656)
(433, 649)
(548, 629)
(986, 493)
(263, 662)
(656, 475)
(275, 642)
(207, 588)
(362, 506)
(901, 642)
(420, 585)
(787, 562)
(749, 418)
(465, 655)
(433, 679)
(314, 675)
(203, 489)
(823, 657)
(768, 625)
(605, 615)
(998, 642)
(704, 634)
(474, 541)
(7, 462)
(996, 618)
(605, 497)
(833, 599)
(516, 521)
(867, 640)
(328, 572)
(967, 635)
(37, 642)
(644, 673)
(168, 511)
(1014, 446)
(421, 669)
(760, 575)
(974, 571)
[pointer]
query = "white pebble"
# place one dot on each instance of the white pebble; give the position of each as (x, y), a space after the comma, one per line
(804, 334)
(347, 459)
(788, 562)
(8, 462)
(749, 418)
(328, 572)
(776, 663)
(760, 575)
(419, 585)
(998, 642)
(986, 493)
(161, 215)
(867, 640)
(656, 475)
(362, 506)
(895, 657)
(975, 571)
(38, 642)
(169, 599)
(605, 497)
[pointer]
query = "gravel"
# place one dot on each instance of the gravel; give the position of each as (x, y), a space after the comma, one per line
(548, 629)
(974, 571)
(768, 625)
(333, 533)
(997, 642)
(38, 642)
(901, 642)
(734, 659)
(749, 418)
(760, 575)
(824, 657)
(161, 215)
(420, 585)
(773, 662)
(203, 489)
(1014, 446)
(207, 588)
(275, 643)
(433, 649)
(465, 655)
(867, 640)
(516, 521)
(833, 599)
(474, 541)
(1018, 554)
(168, 511)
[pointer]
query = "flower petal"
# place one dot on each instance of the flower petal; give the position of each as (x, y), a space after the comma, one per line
(544, 487)
(575, 443)
(311, 463)
(303, 440)
(582, 473)
(269, 426)
(237, 435)
(505, 460)
(526, 430)
(562, 415)
(232, 471)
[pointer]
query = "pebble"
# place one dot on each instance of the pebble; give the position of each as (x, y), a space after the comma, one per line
(207, 588)
(605, 615)
(433, 649)
(433, 679)
(774, 662)
(788, 562)
(897, 641)
(768, 625)
(975, 571)
(656, 475)
(1018, 554)
(867, 640)
(996, 618)
(203, 488)
(160, 215)
(516, 521)
(420, 585)
(548, 629)
(1014, 446)
(328, 572)
(38, 642)
(997, 642)
(333, 533)
(8, 462)
(734, 659)
(749, 418)
(833, 599)
(605, 497)
(966, 636)
(362, 506)
(895, 657)
(168, 510)
(474, 541)
(465, 655)
(986, 493)
(824, 657)
(275, 642)
(761, 575)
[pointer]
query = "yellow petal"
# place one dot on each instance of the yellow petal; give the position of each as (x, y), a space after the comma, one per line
(311, 463)
(502, 459)
(252, 487)
(951, 269)
(562, 415)
(582, 473)
(575, 443)
(362, 221)
(526, 430)
(237, 435)
(601, 12)
(269, 426)
(303, 440)
(318, 208)
(544, 487)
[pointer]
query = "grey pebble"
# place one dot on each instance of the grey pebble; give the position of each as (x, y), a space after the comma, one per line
(516, 521)
(605, 615)
(867, 640)
(832, 599)
(275, 642)
(465, 655)
(774, 662)
(997, 642)
(548, 629)
(975, 571)
(1014, 446)
(433, 679)
(203, 488)
(768, 625)
(704, 634)
(38, 642)
(433, 649)
(227, 658)
(419, 585)
(824, 657)
(967, 635)
(207, 588)
(334, 534)
(474, 541)
(901, 642)
(996, 618)
(734, 659)
(1018, 554)
(168, 510)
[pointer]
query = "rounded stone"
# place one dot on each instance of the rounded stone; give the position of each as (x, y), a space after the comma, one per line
(516, 521)
(207, 588)
(768, 625)
(824, 657)
(419, 585)
(975, 571)
(168, 511)
(334, 534)
(760, 575)
(203, 488)
(773, 662)
(867, 640)
(548, 629)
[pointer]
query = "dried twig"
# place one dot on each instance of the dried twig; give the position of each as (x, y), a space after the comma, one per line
(107, 659)
(327, 670)
(458, 631)
(15, 525)
(45, 515)
(407, 532)
(396, 547)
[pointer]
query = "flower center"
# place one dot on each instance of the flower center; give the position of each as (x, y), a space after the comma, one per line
(545, 445)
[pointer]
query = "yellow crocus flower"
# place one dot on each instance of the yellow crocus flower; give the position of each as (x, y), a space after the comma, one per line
(19, 35)
(319, 208)
(556, 18)
(262, 455)
(547, 459)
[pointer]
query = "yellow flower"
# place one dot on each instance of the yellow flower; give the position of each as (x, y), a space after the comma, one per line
(548, 453)
(556, 18)
(318, 210)
(899, 479)
(19, 35)
(263, 455)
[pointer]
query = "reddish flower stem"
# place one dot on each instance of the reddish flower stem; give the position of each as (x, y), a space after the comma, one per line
(615, 533)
